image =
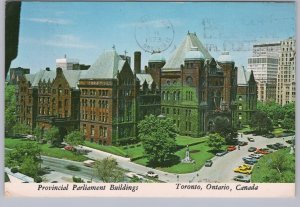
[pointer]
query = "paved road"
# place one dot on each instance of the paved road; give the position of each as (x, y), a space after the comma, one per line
(222, 168)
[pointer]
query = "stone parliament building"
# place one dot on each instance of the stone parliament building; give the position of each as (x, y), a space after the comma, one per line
(107, 101)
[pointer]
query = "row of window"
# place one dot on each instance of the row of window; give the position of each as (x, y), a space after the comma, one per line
(168, 96)
(166, 110)
(102, 131)
(92, 103)
(93, 92)
(103, 117)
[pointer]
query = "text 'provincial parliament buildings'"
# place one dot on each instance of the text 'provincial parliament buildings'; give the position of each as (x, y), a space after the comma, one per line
(107, 100)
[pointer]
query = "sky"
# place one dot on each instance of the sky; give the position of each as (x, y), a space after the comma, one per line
(84, 30)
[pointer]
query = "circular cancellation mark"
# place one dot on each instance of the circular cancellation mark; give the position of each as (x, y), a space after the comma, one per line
(154, 35)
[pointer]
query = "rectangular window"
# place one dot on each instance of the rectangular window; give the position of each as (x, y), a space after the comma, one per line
(92, 130)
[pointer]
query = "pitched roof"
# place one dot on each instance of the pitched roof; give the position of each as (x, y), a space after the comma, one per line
(243, 76)
(30, 77)
(72, 76)
(106, 66)
(177, 57)
(145, 77)
(43, 75)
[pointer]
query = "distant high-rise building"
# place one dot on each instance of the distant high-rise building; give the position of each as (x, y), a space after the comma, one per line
(286, 83)
(264, 64)
(68, 63)
(16, 73)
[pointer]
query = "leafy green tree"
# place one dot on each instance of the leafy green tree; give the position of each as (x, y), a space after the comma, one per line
(52, 135)
(216, 142)
(75, 138)
(225, 129)
(24, 156)
(289, 118)
(108, 170)
(261, 122)
(38, 133)
(158, 138)
(10, 108)
(21, 128)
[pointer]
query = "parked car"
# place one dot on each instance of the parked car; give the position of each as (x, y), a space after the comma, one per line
(263, 151)
(89, 163)
(256, 156)
(280, 145)
(133, 175)
(69, 148)
(208, 163)
(152, 174)
(231, 148)
(248, 162)
(290, 141)
(251, 139)
(269, 135)
(242, 178)
(221, 153)
(252, 149)
(243, 169)
(271, 146)
(251, 159)
(242, 143)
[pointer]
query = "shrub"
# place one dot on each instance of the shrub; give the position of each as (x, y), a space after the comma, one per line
(73, 168)
(14, 170)
(77, 180)
(38, 179)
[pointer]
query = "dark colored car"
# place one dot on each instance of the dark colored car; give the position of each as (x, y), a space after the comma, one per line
(280, 146)
(241, 143)
(208, 163)
(251, 139)
(290, 141)
(221, 153)
(252, 149)
(251, 159)
(269, 135)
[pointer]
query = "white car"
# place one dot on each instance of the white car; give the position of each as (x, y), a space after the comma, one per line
(132, 175)
(89, 163)
(152, 174)
(256, 156)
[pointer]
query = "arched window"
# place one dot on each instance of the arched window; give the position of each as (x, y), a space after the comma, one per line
(174, 96)
(240, 98)
(178, 95)
(163, 96)
(189, 80)
(167, 98)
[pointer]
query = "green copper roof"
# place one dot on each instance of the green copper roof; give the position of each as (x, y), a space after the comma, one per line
(178, 56)
(106, 66)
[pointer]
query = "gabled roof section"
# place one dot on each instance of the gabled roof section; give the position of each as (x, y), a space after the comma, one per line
(72, 76)
(177, 57)
(243, 76)
(30, 77)
(105, 67)
(145, 77)
(43, 75)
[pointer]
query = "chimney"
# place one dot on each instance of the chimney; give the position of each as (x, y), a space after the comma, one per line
(137, 62)
(58, 71)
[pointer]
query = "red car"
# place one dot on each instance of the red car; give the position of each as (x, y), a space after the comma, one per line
(231, 148)
(262, 151)
(69, 148)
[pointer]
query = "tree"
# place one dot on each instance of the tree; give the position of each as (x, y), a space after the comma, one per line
(158, 138)
(75, 138)
(38, 133)
(10, 108)
(108, 171)
(52, 135)
(261, 122)
(216, 141)
(25, 156)
(21, 129)
(225, 129)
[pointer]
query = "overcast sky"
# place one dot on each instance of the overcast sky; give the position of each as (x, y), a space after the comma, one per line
(84, 30)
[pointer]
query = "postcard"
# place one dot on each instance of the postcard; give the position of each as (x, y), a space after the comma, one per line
(150, 99)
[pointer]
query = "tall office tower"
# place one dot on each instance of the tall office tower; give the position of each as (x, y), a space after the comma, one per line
(286, 83)
(67, 63)
(264, 64)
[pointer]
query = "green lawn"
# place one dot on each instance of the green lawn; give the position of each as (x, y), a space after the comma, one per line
(47, 150)
(199, 151)
(110, 149)
(265, 171)
(277, 131)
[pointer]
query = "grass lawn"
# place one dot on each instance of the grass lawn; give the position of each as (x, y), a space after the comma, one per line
(277, 131)
(47, 150)
(245, 128)
(110, 149)
(199, 151)
(264, 172)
